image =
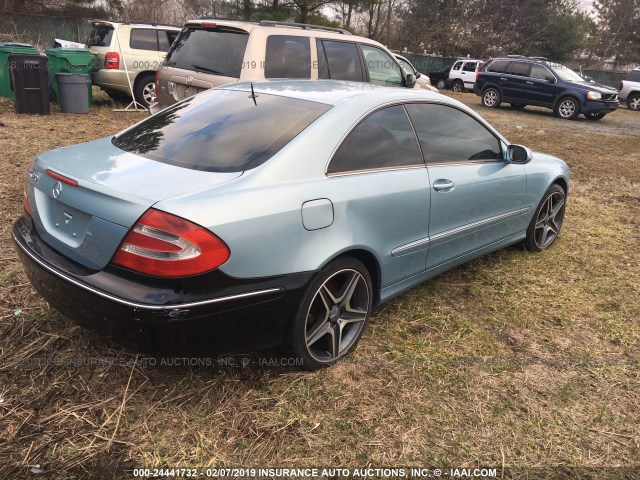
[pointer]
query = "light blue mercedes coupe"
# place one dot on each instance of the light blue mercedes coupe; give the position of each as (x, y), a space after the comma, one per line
(253, 215)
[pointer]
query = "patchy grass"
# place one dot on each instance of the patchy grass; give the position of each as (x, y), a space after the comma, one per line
(513, 359)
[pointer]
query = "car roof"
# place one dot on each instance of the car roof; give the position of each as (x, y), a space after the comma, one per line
(333, 92)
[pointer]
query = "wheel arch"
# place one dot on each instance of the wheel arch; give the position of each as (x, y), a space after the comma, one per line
(568, 95)
(488, 86)
(564, 184)
(141, 75)
(370, 261)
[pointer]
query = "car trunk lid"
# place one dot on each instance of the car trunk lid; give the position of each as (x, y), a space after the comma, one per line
(85, 198)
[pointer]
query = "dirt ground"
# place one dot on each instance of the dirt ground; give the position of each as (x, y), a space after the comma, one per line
(513, 360)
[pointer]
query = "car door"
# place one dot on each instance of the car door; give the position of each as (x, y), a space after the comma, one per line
(339, 60)
(380, 192)
(542, 85)
(468, 74)
(476, 197)
(514, 84)
(382, 69)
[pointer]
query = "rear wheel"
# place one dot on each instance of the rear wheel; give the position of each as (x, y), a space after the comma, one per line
(491, 98)
(333, 313)
(633, 102)
(517, 106)
(145, 90)
(547, 220)
(594, 115)
(457, 86)
(567, 108)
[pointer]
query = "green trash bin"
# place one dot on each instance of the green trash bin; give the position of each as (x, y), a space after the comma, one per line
(68, 60)
(6, 49)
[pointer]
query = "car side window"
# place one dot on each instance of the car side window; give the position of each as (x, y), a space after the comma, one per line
(383, 70)
(456, 66)
(143, 39)
(541, 73)
(499, 66)
(634, 76)
(339, 61)
(521, 69)
(384, 139)
(470, 66)
(165, 39)
(287, 57)
(406, 66)
(449, 135)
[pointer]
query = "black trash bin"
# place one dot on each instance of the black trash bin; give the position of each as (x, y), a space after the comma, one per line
(72, 92)
(30, 83)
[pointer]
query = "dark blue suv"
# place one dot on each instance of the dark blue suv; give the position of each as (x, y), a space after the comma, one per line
(523, 81)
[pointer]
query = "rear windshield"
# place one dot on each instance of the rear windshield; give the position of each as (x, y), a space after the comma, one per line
(220, 130)
(100, 37)
(217, 52)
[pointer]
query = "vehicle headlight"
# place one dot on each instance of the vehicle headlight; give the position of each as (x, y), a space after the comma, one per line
(594, 96)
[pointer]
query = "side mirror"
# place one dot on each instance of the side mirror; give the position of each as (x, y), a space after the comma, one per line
(518, 154)
(551, 79)
(411, 80)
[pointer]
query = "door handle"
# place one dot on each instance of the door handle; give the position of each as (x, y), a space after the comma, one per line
(502, 78)
(529, 83)
(439, 185)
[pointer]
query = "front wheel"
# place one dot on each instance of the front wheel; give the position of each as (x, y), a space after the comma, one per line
(333, 313)
(491, 98)
(633, 102)
(568, 108)
(594, 115)
(547, 220)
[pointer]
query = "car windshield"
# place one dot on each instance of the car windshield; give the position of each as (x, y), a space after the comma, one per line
(220, 130)
(565, 73)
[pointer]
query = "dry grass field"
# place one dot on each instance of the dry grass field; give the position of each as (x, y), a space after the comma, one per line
(514, 360)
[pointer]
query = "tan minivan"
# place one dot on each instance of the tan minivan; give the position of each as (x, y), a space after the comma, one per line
(211, 52)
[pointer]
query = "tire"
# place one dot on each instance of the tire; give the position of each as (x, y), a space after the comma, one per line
(633, 102)
(441, 84)
(595, 115)
(491, 98)
(517, 106)
(145, 90)
(567, 108)
(332, 314)
(547, 220)
(457, 86)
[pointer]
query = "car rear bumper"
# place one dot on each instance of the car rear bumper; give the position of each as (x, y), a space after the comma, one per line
(113, 79)
(212, 312)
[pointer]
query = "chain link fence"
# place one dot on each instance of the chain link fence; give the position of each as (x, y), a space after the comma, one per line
(40, 30)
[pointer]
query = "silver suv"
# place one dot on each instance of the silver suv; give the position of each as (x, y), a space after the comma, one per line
(630, 90)
(141, 46)
(210, 52)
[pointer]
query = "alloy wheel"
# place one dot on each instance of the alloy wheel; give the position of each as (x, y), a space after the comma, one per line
(149, 93)
(549, 220)
(567, 108)
(634, 103)
(336, 315)
(490, 98)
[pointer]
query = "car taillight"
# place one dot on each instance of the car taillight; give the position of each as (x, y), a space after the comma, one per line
(25, 200)
(164, 245)
(112, 60)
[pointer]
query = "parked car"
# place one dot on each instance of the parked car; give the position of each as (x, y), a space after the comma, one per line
(422, 80)
(258, 213)
(142, 46)
(440, 78)
(523, 81)
(209, 53)
(462, 75)
(630, 90)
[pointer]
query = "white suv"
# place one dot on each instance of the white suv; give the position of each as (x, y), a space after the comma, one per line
(142, 46)
(630, 90)
(463, 74)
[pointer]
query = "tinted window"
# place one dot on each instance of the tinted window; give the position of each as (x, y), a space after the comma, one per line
(100, 37)
(287, 57)
(456, 66)
(499, 66)
(540, 72)
(406, 65)
(220, 130)
(384, 139)
(470, 66)
(383, 70)
(165, 39)
(522, 69)
(143, 39)
(339, 61)
(450, 135)
(219, 52)
(634, 76)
